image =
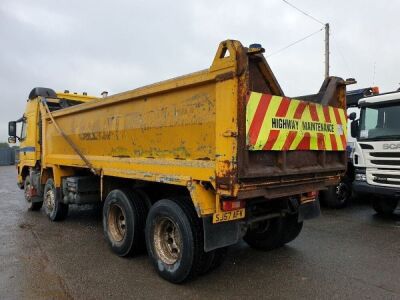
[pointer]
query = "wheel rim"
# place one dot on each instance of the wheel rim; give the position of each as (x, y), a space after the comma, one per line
(117, 223)
(50, 201)
(167, 240)
(341, 192)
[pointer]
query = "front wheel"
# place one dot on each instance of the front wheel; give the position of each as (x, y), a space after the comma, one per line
(54, 208)
(174, 240)
(384, 206)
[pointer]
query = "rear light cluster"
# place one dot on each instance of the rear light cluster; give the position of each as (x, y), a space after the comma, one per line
(312, 194)
(228, 205)
(308, 197)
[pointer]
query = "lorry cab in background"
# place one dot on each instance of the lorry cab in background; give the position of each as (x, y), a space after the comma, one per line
(339, 196)
(376, 156)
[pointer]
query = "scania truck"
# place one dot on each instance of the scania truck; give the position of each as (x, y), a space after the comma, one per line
(376, 156)
(190, 165)
(340, 195)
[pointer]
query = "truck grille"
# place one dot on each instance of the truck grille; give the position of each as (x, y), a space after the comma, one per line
(385, 154)
(383, 168)
(386, 179)
(385, 162)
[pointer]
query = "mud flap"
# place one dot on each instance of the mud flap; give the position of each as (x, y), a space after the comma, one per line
(221, 234)
(309, 210)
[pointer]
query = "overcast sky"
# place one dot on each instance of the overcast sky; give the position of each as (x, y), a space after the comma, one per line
(116, 45)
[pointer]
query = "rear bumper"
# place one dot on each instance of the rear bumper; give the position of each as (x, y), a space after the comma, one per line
(286, 188)
(364, 187)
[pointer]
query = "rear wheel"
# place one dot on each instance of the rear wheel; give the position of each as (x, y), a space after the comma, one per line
(219, 257)
(265, 235)
(124, 217)
(174, 240)
(34, 202)
(384, 206)
(291, 228)
(54, 208)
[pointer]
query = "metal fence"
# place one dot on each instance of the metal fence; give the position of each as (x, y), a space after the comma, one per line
(7, 156)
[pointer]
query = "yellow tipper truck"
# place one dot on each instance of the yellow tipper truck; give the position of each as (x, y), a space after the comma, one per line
(187, 166)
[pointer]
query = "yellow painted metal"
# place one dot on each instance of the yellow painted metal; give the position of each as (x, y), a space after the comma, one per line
(184, 131)
(180, 131)
(75, 97)
(203, 198)
(29, 142)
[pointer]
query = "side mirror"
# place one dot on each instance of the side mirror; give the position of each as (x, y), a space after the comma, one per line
(12, 129)
(352, 116)
(12, 140)
(354, 128)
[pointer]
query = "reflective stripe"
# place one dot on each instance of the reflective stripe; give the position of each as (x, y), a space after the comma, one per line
(251, 107)
(279, 123)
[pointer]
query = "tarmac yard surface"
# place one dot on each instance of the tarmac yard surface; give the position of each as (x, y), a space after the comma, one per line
(344, 254)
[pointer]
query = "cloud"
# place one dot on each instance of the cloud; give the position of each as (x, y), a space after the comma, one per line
(120, 45)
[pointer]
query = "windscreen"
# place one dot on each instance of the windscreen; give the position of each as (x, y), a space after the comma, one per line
(380, 122)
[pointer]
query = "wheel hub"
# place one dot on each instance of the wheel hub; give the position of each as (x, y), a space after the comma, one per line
(117, 223)
(167, 240)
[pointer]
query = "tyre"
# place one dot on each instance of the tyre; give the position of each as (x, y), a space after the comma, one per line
(213, 260)
(124, 216)
(174, 240)
(265, 235)
(54, 208)
(219, 257)
(337, 196)
(208, 260)
(384, 206)
(35, 202)
(291, 228)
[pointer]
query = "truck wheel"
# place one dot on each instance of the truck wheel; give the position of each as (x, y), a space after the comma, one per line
(337, 196)
(291, 228)
(124, 216)
(54, 208)
(213, 260)
(265, 235)
(219, 257)
(384, 206)
(174, 240)
(34, 203)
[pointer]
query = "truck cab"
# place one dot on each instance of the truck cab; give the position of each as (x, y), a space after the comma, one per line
(340, 195)
(27, 129)
(376, 156)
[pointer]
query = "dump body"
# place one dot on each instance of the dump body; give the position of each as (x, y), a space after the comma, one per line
(193, 128)
(190, 165)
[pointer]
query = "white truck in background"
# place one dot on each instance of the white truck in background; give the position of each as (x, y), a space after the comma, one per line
(340, 195)
(376, 154)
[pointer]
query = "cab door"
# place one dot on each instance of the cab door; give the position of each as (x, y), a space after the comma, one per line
(29, 146)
